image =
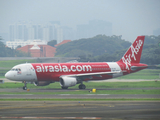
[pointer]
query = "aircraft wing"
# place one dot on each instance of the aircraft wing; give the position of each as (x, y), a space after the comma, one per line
(94, 74)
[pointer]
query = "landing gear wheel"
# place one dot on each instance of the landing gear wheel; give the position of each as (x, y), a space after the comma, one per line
(64, 87)
(24, 88)
(25, 85)
(82, 86)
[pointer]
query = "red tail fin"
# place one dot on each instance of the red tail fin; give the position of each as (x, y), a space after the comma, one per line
(133, 55)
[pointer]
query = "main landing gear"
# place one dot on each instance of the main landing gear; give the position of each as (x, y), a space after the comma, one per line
(25, 85)
(64, 87)
(82, 86)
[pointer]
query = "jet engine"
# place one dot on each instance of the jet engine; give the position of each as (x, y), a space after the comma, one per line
(42, 83)
(68, 81)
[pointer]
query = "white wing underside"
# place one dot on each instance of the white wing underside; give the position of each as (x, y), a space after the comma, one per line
(94, 74)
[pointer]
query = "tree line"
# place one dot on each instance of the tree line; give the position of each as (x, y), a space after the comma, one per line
(103, 48)
(95, 46)
(100, 48)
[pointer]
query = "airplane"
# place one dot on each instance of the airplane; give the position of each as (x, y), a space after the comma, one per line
(70, 74)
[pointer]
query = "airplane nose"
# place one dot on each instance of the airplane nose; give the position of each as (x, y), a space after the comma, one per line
(7, 75)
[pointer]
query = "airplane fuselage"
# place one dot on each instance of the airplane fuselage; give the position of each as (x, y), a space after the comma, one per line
(70, 74)
(52, 71)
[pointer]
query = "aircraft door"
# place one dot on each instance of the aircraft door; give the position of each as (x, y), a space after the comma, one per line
(28, 72)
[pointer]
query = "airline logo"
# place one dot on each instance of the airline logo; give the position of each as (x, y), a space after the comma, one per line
(127, 59)
(63, 68)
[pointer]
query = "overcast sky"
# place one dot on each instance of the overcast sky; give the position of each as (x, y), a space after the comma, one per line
(129, 18)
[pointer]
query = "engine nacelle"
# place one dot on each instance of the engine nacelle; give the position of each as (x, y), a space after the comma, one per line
(42, 83)
(68, 81)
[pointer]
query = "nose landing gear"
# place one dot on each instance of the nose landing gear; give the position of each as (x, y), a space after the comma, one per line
(25, 85)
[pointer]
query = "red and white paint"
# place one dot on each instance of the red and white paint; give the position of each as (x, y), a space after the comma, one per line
(70, 74)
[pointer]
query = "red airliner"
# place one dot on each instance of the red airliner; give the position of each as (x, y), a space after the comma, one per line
(70, 74)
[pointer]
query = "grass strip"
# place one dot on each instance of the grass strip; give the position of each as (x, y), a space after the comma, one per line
(143, 74)
(122, 99)
(11, 63)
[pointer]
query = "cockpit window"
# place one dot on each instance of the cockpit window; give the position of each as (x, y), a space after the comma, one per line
(15, 69)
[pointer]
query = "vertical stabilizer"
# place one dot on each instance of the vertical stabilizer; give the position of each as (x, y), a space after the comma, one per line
(133, 55)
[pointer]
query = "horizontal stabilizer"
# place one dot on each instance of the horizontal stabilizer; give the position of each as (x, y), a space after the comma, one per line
(133, 68)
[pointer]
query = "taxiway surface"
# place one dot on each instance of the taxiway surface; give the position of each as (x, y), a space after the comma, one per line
(31, 110)
(79, 96)
(30, 94)
(110, 110)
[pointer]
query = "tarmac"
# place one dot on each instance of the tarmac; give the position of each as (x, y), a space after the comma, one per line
(86, 96)
(72, 110)
(46, 110)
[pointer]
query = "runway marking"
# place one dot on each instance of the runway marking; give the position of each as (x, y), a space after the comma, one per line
(59, 94)
(17, 94)
(50, 118)
(97, 94)
(82, 94)
(63, 94)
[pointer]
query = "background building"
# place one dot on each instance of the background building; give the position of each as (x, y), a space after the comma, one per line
(21, 32)
(16, 43)
(94, 28)
(38, 48)
(29, 31)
